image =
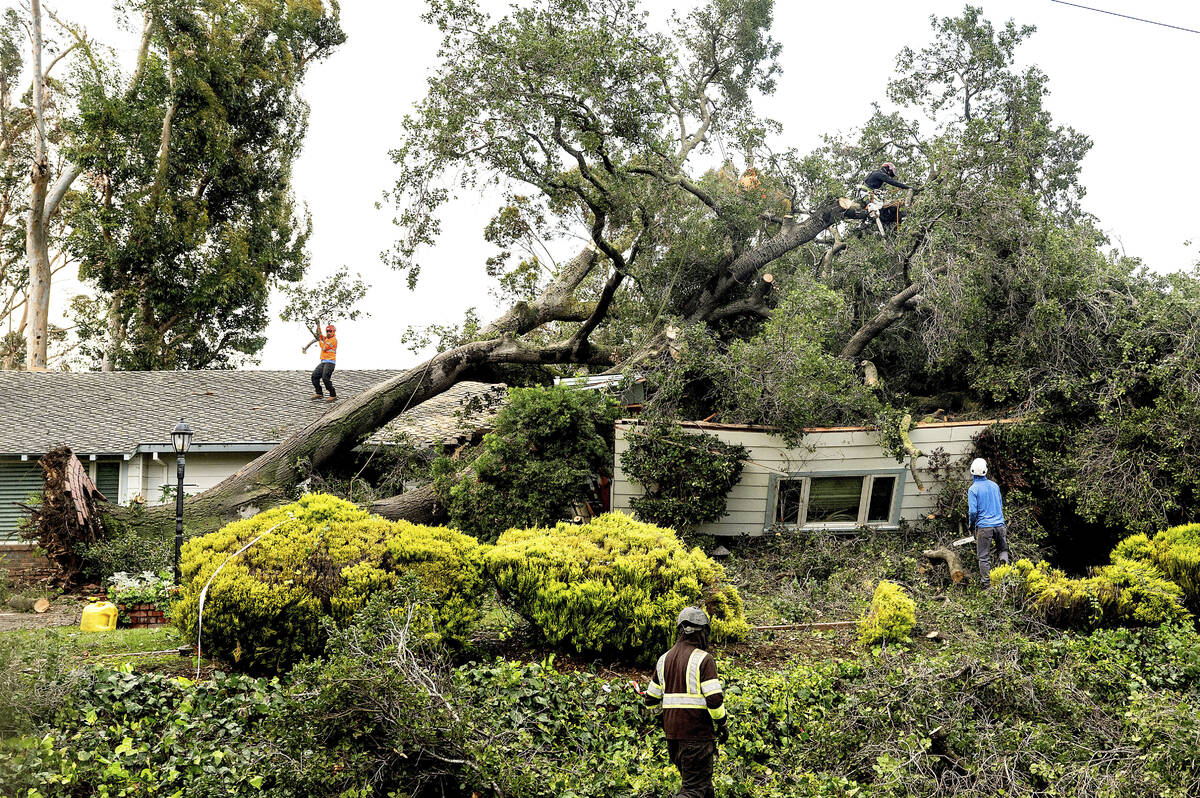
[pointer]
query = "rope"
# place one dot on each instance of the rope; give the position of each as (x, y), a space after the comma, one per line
(204, 590)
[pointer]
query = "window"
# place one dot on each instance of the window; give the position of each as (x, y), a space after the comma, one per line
(836, 500)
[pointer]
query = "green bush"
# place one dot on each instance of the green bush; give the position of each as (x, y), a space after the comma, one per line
(448, 565)
(1127, 592)
(891, 617)
(126, 549)
(1146, 583)
(265, 608)
(612, 586)
(538, 463)
(685, 476)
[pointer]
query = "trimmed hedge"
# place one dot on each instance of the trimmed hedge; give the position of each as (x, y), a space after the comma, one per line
(1149, 581)
(612, 586)
(264, 610)
(891, 618)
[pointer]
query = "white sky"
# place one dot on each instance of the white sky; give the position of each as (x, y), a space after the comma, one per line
(1126, 84)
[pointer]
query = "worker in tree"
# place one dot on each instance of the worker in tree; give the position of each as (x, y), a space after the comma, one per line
(986, 513)
(874, 195)
(693, 705)
(324, 370)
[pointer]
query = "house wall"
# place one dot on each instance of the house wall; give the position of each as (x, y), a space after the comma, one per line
(821, 452)
(146, 475)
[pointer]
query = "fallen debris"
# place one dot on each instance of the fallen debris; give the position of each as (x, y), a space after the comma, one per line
(951, 558)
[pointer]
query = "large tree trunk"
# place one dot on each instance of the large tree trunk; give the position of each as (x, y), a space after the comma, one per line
(419, 506)
(276, 475)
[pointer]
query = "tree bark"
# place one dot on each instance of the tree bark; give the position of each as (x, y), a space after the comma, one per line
(950, 557)
(419, 506)
(36, 249)
(893, 310)
(275, 476)
(43, 202)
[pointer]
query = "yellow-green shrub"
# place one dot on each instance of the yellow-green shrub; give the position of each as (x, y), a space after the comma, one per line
(1126, 593)
(612, 586)
(891, 618)
(265, 608)
(448, 564)
(1177, 552)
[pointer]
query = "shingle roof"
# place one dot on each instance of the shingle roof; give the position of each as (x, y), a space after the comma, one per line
(115, 412)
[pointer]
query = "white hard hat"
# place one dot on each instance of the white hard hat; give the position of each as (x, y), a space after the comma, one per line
(979, 467)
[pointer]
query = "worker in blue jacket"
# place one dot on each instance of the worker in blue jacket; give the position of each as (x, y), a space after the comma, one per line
(986, 511)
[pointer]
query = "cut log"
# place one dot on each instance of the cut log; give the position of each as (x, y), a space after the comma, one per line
(41, 605)
(948, 556)
(25, 603)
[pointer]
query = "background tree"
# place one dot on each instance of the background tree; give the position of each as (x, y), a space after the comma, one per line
(31, 228)
(189, 218)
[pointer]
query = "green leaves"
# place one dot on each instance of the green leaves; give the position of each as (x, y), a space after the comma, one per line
(186, 235)
(611, 586)
(547, 446)
(685, 476)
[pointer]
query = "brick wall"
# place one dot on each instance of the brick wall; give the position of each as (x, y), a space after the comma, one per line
(23, 561)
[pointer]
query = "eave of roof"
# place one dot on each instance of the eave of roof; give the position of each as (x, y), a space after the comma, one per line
(634, 422)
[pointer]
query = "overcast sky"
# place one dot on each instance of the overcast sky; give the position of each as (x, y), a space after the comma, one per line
(1128, 85)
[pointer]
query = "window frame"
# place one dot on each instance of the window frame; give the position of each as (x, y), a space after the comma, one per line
(868, 476)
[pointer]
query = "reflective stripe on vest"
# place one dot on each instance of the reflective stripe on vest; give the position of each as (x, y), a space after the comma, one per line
(697, 691)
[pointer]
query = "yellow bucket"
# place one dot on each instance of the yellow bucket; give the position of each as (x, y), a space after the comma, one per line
(99, 617)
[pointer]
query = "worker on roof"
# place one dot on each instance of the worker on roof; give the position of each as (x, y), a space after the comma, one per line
(693, 704)
(986, 512)
(324, 370)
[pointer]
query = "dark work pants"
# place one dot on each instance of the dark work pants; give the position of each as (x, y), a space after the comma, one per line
(983, 547)
(323, 372)
(694, 758)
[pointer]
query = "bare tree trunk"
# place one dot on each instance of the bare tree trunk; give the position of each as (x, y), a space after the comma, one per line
(43, 202)
(112, 345)
(275, 476)
(36, 249)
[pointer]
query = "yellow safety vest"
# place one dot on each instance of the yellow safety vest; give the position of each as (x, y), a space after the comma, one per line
(697, 691)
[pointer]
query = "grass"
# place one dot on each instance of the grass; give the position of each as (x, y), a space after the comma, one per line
(68, 647)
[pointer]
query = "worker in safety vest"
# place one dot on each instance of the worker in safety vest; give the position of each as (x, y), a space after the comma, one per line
(324, 370)
(985, 508)
(693, 704)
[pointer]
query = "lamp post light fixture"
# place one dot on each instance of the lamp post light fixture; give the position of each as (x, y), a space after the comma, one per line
(181, 439)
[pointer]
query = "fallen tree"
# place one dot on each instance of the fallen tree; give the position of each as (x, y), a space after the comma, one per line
(591, 125)
(627, 182)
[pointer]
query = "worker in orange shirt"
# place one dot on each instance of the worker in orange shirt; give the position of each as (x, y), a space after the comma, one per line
(324, 370)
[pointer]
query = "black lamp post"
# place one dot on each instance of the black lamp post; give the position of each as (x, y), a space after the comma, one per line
(181, 439)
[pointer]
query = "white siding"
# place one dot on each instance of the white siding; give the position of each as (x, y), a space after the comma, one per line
(821, 451)
(145, 475)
